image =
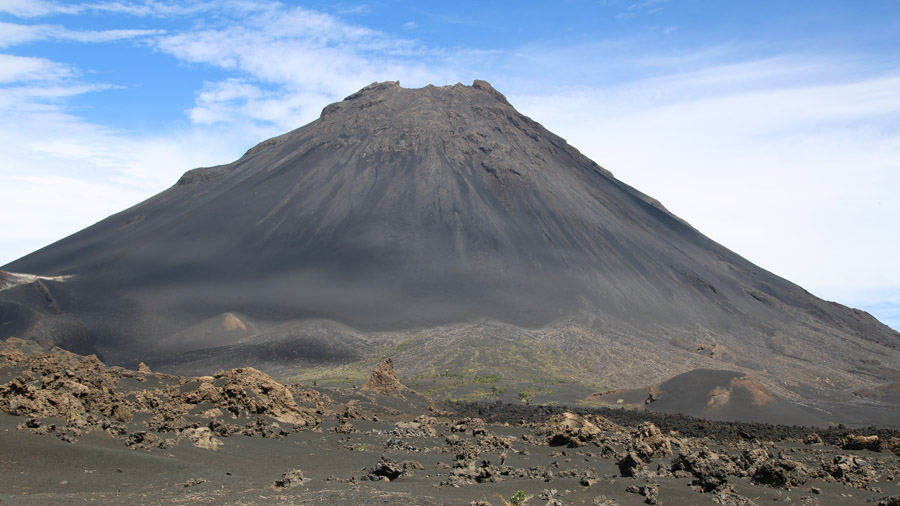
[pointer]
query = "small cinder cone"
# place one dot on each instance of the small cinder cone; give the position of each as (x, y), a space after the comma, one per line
(384, 381)
(231, 323)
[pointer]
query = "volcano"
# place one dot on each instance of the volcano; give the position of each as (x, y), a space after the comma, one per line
(441, 227)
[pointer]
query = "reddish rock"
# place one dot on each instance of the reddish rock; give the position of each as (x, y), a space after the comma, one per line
(384, 381)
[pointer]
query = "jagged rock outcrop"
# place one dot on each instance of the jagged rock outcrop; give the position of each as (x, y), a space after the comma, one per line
(573, 430)
(384, 381)
(59, 384)
(87, 395)
(648, 442)
(257, 393)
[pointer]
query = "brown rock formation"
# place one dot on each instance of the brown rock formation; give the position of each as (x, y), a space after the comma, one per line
(573, 430)
(384, 381)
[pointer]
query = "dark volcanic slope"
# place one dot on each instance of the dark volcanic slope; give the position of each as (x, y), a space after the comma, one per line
(398, 206)
(411, 208)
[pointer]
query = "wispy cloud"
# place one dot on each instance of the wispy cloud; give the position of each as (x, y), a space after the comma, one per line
(642, 8)
(780, 161)
(287, 63)
(361, 9)
(21, 68)
(269, 111)
(12, 34)
(33, 86)
(155, 8)
(53, 161)
(451, 19)
(26, 8)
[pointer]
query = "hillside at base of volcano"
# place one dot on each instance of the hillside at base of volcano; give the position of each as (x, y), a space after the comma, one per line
(441, 227)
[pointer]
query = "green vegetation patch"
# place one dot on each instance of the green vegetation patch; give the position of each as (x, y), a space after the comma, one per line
(485, 364)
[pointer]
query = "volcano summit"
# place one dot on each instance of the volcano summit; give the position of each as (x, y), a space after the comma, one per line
(441, 227)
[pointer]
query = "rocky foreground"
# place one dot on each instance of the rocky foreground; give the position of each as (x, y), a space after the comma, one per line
(77, 431)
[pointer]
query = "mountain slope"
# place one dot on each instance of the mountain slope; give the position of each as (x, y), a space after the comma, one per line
(436, 208)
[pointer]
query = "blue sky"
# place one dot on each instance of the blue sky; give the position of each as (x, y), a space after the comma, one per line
(771, 126)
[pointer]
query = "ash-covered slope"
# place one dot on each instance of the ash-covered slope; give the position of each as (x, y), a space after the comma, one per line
(403, 209)
(396, 207)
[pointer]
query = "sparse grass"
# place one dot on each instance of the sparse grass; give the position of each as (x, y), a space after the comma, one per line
(471, 368)
(349, 374)
(517, 499)
(527, 394)
(122, 413)
(74, 412)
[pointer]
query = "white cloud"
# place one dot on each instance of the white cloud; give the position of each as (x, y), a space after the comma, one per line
(268, 113)
(26, 8)
(799, 178)
(286, 46)
(288, 63)
(60, 173)
(55, 207)
(12, 34)
(20, 68)
(639, 8)
(37, 8)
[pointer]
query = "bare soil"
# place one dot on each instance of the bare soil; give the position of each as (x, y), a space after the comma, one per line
(75, 431)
